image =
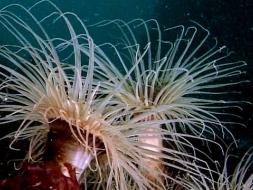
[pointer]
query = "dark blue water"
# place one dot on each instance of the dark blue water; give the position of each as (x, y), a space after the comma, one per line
(230, 21)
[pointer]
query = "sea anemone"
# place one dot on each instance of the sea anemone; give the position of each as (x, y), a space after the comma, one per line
(174, 79)
(124, 126)
(177, 81)
(240, 179)
(59, 110)
(54, 101)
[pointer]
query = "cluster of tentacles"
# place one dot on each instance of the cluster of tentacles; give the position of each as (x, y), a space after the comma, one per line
(125, 113)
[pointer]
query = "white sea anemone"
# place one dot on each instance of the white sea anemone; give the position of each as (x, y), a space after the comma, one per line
(66, 92)
(171, 78)
(240, 179)
(48, 93)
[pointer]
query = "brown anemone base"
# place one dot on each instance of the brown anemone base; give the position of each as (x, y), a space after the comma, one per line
(42, 176)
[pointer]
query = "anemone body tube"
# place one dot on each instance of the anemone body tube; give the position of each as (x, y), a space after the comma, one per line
(62, 147)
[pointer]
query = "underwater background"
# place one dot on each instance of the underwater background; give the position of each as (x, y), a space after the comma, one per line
(229, 21)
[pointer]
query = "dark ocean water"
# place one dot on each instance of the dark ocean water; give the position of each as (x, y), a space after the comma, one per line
(229, 21)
